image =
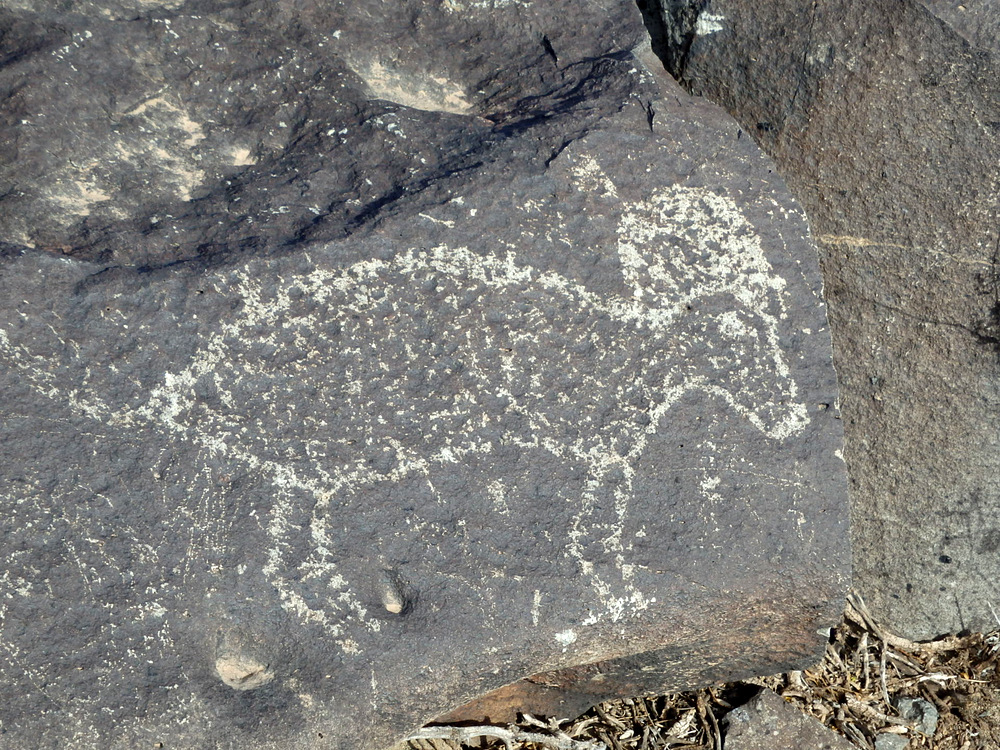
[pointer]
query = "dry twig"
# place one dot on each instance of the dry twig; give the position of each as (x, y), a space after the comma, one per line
(507, 736)
(854, 690)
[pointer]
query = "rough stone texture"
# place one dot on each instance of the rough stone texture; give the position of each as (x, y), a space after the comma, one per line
(767, 722)
(922, 713)
(886, 123)
(977, 20)
(721, 657)
(361, 359)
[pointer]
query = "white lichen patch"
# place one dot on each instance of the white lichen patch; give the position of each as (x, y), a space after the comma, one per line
(566, 638)
(432, 92)
(73, 198)
(242, 157)
(160, 144)
(175, 172)
(466, 6)
(708, 23)
(163, 115)
(591, 178)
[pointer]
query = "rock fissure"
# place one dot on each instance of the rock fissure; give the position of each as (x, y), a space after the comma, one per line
(673, 27)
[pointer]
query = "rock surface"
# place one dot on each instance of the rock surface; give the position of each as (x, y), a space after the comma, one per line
(362, 359)
(767, 722)
(886, 123)
(921, 712)
(976, 20)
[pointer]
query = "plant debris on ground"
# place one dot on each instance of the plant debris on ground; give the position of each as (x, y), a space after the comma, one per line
(859, 689)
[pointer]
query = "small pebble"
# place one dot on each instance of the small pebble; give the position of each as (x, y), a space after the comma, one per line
(921, 711)
(891, 742)
(393, 598)
(242, 672)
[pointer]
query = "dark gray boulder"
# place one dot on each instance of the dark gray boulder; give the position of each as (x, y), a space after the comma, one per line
(145, 133)
(976, 20)
(361, 361)
(768, 722)
(886, 124)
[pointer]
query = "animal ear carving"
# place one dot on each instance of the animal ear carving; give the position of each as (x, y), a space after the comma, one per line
(688, 250)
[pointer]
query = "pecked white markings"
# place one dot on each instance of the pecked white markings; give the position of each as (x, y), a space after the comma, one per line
(708, 23)
(352, 335)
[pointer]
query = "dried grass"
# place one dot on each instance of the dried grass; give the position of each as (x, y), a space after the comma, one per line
(853, 690)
